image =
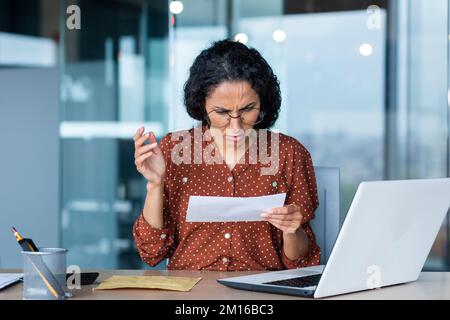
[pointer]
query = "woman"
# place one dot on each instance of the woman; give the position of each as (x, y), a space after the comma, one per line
(232, 90)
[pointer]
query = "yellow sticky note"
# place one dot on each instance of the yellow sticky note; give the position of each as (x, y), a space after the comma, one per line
(149, 282)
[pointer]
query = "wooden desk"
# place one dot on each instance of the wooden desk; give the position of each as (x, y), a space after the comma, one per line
(431, 285)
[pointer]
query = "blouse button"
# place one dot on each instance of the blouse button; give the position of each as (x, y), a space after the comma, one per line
(185, 179)
(225, 260)
(230, 179)
(274, 184)
(227, 236)
(163, 236)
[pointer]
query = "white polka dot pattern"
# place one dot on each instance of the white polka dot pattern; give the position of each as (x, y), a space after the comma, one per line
(229, 246)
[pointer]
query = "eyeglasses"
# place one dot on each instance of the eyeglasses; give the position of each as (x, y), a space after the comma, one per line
(222, 118)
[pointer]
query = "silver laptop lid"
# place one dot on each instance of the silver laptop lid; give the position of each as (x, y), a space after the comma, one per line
(387, 235)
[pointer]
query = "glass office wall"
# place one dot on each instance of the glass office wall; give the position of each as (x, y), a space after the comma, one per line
(114, 78)
(426, 116)
(364, 86)
(416, 118)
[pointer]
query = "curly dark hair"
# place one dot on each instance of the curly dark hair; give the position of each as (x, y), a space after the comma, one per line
(228, 60)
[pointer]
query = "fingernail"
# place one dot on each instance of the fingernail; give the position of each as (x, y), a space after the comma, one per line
(264, 215)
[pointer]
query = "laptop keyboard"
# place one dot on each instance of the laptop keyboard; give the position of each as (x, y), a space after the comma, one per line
(300, 282)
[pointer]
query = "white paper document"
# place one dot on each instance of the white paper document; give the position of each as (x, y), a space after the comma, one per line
(227, 209)
(7, 279)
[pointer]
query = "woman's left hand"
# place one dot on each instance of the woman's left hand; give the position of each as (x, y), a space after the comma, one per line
(288, 218)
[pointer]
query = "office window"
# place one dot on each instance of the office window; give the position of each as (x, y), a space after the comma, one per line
(114, 78)
(364, 87)
(417, 122)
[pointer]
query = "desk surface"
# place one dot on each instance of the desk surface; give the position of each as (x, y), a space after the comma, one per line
(431, 285)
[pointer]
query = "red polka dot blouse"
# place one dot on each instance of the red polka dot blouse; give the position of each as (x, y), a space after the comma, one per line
(228, 246)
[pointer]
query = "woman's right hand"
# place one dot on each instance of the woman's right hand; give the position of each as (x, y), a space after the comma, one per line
(149, 159)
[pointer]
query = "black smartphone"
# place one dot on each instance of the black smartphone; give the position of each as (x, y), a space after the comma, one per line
(87, 278)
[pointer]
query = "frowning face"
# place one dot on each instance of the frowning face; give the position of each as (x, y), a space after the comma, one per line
(233, 108)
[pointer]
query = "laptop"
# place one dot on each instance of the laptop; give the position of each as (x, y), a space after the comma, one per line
(385, 239)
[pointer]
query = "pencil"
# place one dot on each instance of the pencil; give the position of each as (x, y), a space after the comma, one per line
(26, 244)
(21, 240)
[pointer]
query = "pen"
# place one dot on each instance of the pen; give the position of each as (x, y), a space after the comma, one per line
(28, 245)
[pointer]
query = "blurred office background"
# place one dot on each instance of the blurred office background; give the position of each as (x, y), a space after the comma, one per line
(364, 84)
